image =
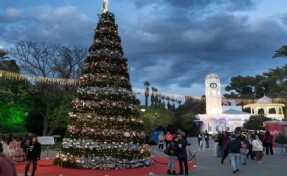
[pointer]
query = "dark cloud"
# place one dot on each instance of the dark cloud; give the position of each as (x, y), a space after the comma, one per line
(192, 47)
(198, 5)
(173, 44)
(63, 25)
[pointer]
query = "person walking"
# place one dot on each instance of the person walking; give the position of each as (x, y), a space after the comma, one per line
(206, 137)
(234, 153)
(7, 166)
(215, 148)
(281, 141)
(202, 143)
(199, 138)
(250, 151)
(220, 145)
(268, 141)
(172, 152)
(243, 151)
(182, 156)
(257, 147)
(226, 139)
(33, 153)
(161, 139)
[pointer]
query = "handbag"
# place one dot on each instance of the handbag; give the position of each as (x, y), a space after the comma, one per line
(166, 151)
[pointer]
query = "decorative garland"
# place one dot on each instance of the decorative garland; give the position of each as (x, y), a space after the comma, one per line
(70, 82)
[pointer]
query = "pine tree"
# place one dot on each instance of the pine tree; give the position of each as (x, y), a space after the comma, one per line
(105, 129)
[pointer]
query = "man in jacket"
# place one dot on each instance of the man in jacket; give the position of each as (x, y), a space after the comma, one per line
(182, 156)
(234, 153)
(281, 141)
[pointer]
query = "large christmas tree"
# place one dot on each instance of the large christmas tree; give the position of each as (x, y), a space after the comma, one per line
(105, 130)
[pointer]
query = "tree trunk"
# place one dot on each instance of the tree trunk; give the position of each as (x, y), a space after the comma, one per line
(146, 101)
(46, 125)
(51, 131)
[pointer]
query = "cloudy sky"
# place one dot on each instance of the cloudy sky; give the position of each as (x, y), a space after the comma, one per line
(173, 44)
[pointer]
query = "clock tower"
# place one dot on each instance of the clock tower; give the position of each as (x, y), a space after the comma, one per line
(213, 95)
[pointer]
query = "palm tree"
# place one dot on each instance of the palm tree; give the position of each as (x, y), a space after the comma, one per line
(173, 100)
(152, 95)
(278, 78)
(281, 52)
(146, 84)
(156, 95)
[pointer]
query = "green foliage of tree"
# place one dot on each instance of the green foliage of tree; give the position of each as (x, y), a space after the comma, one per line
(255, 122)
(272, 83)
(245, 87)
(59, 118)
(15, 99)
(185, 114)
(154, 117)
(15, 102)
(281, 52)
(191, 105)
(187, 121)
(43, 60)
(276, 80)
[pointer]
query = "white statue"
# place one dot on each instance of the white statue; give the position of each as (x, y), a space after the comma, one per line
(105, 6)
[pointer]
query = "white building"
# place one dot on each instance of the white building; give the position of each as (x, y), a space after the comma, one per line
(265, 107)
(218, 117)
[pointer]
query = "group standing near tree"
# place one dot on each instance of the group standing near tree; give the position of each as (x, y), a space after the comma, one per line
(177, 150)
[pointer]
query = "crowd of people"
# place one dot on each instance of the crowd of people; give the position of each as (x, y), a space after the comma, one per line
(32, 152)
(175, 148)
(239, 146)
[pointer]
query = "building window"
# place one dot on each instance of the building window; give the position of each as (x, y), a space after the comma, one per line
(261, 111)
(272, 111)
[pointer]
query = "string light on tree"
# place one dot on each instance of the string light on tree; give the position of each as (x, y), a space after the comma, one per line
(105, 129)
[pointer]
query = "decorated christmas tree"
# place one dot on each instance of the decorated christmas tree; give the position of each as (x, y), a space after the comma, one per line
(105, 130)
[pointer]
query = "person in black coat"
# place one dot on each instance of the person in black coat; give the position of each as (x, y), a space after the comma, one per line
(33, 153)
(182, 155)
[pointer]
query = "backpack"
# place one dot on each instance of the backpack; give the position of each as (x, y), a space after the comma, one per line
(225, 144)
(170, 150)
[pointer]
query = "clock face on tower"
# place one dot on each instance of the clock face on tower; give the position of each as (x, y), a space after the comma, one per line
(213, 85)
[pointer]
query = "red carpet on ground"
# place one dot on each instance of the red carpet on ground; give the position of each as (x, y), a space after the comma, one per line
(159, 166)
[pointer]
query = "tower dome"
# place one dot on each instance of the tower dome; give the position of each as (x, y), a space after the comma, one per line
(211, 76)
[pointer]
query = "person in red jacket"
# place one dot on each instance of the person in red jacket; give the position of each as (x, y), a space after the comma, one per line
(168, 138)
(7, 166)
(268, 141)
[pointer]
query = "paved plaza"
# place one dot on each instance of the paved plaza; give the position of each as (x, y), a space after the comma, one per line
(208, 165)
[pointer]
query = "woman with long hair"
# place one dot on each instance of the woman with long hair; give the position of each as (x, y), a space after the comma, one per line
(33, 153)
(257, 148)
(172, 156)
